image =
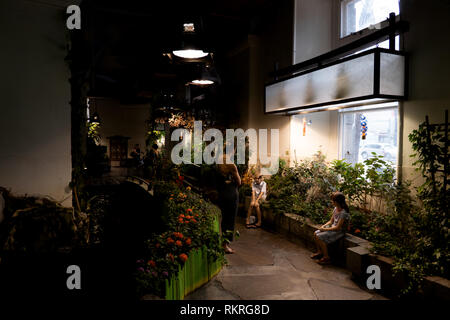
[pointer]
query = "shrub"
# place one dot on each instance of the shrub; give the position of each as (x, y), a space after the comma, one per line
(304, 189)
(189, 221)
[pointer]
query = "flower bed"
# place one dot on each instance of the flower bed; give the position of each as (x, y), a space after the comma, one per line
(197, 270)
(188, 253)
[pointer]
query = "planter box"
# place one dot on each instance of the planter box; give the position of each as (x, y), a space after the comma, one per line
(390, 284)
(247, 202)
(268, 219)
(436, 288)
(196, 271)
(357, 260)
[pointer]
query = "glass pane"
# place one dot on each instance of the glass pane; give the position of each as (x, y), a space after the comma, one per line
(392, 74)
(360, 14)
(381, 135)
(349, 79)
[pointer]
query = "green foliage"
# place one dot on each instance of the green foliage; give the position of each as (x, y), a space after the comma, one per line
(36, 225)
(93, 131)
(416, 237)
(304, 189)
(352, 182)
(153, 136)
(189, 221)
(374, 177)
(416, 234)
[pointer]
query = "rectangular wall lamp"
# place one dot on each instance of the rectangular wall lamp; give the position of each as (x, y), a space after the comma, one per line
(373, 75)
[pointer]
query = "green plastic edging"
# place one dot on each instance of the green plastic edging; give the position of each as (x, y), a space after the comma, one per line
(196, 272)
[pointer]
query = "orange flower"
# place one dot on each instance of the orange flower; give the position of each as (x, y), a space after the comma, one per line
(188, 188)
(180, 220)
(181, 216)
(194, 221)
(188, 217)
(188, 210)
(171, 257)
(357, 231)
(188, 241)
(170, 240)
(178, 235)
(183, 257)
(157, 245)
(170, 199)
(151, 263)
(179, 243)
(196, 215)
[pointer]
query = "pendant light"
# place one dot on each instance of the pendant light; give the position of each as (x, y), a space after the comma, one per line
(206, 77)
(189, 49)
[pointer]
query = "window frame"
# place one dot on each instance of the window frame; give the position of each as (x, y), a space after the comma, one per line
(337, 21)
(382, 106)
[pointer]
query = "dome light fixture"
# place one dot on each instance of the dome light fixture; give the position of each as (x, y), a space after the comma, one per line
(206, 76)
(190, 53)
(188, 48)
(202, 82)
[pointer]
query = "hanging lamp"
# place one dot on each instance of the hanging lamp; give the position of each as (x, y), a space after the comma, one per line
(189, 47)
(206, 77)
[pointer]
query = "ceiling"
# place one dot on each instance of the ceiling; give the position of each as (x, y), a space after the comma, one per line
(125, 42)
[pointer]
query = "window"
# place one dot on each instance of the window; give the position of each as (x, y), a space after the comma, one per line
(357, 15)
(381, 138)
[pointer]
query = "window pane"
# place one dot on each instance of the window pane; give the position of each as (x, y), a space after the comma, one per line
(360, 14)
(349, 79)
(381, 136)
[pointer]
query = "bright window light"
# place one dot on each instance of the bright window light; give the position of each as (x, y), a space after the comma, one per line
(190, 53)
(382, 126)
(360, 14)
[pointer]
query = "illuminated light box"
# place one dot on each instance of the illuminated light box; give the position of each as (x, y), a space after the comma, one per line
(373, 75)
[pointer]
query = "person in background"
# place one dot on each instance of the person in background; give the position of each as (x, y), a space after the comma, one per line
(136, 155)
(152, 162)
(228, 181)
(259, 192)
(333, 230)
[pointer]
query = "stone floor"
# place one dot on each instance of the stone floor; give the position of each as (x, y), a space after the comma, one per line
(267, 266)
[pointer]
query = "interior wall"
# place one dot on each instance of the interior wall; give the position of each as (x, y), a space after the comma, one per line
(122, 120)
(313, 26)
(428, 46)
(274, 45)
(312, 29)
(320, 135)
(35, 156)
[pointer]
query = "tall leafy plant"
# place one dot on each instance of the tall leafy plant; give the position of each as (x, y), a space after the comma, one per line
(430, 143)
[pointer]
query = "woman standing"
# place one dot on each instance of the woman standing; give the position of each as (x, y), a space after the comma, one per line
(227, 185)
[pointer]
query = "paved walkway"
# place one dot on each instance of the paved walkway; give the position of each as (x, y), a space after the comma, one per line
(267, 266)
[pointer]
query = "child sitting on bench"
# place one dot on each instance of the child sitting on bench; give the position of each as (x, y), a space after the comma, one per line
(259, 189)
(333, 230)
